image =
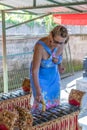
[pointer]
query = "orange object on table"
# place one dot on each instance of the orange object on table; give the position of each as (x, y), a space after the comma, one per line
(26, 85)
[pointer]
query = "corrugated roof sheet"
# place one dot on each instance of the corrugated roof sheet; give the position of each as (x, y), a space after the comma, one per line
(48, 6)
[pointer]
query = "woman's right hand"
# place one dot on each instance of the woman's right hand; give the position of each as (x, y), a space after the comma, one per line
(38, 97)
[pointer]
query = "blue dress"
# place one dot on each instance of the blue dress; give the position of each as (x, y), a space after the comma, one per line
(49, 78)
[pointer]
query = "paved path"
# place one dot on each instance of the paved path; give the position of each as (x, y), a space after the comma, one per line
(67, 84)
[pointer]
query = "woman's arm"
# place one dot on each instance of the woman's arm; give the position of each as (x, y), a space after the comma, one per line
(60, 58)
(35, 69)
(60, 50)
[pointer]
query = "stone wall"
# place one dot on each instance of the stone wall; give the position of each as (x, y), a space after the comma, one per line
(78, 46)
(20, 50)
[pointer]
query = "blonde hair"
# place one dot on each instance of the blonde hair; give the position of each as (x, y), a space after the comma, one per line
(61, 31)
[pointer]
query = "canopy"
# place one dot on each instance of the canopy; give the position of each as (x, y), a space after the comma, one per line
(38, 7)
(70, 19)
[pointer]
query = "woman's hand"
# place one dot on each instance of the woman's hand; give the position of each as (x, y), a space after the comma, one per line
(61, 69)
(55, 60)
(38, 96)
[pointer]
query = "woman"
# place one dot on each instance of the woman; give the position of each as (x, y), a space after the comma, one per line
(44, 72)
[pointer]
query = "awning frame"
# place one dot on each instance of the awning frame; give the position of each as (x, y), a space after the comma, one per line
(54, 4)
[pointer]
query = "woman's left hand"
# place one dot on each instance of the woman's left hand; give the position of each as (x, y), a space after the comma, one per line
(55, 60)
(61, 69)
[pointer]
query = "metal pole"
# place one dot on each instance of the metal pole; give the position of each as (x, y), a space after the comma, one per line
(64, 4)
(23, 10)
(71, 64)
(67, 60)
(27, 21)
(5, 73)
(34, 3)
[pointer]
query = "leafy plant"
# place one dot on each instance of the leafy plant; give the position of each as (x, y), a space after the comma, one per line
(13, 19)
(77, 65)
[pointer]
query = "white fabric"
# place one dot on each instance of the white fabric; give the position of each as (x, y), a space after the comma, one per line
(82, 118)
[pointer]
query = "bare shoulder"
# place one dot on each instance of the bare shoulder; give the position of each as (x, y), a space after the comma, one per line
(38, 48)
(38, 52)
(43, 38)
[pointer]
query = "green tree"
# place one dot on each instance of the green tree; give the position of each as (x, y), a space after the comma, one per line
(12, 18)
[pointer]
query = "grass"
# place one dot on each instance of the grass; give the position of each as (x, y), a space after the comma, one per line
(77, 65)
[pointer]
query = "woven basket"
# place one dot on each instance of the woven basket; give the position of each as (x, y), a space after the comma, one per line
(67, 122)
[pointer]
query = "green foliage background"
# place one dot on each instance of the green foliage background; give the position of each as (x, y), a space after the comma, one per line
(15, 18)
